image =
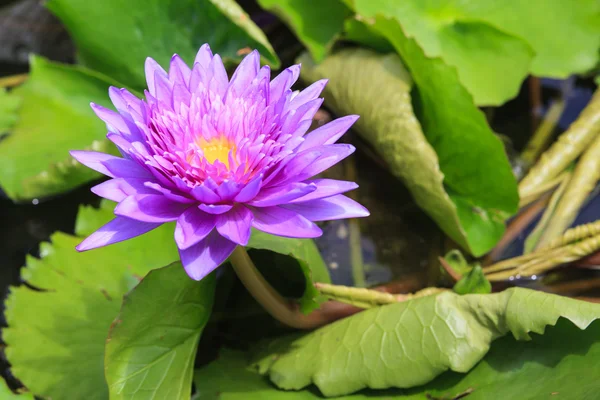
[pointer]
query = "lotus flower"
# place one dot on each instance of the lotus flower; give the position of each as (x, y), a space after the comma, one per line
(219, 156)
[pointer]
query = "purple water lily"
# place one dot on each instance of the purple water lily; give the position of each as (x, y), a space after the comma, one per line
(219, 156)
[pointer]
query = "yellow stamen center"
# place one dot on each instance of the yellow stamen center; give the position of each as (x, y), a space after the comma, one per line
(216, 149)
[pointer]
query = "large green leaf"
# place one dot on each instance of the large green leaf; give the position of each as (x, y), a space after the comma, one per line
(410, 343)
(230, 378)
(316, 25)
(307, 257)
(55, 336)
(54, 117)
(152, 344)
(490, 43)
(563, 364)
(472, 190)
(8, 111)
(122, 34)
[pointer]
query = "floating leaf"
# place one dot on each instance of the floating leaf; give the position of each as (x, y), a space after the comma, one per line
(556, 364)
(152, 344)
(410, 343)
(472, 189)
(491, 44)
(307, 256)
(317, 26)
(122, 35)
(473, 282)
(54, 117)
(55, 336)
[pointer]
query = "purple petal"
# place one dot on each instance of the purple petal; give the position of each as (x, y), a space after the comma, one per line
(244, 73)
(205, 195)
(236, 225)
(118, 189)
(153, 69)
(179, 72)
(308, 94)
(169, 194)
(94, 160)
(202, 258)
(330, 208)
(117, 230)
(215, 208)
(296, 165)
(219, 81)
(204, 56)
(150, 208)
(228, 190)
(283, 82)
(123, 144)
(249, 191)
(328, 133)
(193, 226)
(282, 194)
(326, 188)
(122, 168)
(281, 222)
(330, 155)
(114, 121)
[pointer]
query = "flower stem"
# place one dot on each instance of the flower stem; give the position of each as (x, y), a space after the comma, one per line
(283, 310)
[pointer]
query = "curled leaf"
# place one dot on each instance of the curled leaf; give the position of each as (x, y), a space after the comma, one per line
(453, 184)
(410, 343)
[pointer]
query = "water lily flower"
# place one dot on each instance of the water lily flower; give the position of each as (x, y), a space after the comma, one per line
(219, 157)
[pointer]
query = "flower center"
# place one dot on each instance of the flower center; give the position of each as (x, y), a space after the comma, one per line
(216, 149)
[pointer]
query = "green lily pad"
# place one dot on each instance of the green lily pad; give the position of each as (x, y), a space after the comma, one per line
(410, 343)
(455, 168)
(55, 335)
(122, 35)
(495, 45)
(552, 365)
(306, 256)
(152, 344)
(54, 117)
(316, 26)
